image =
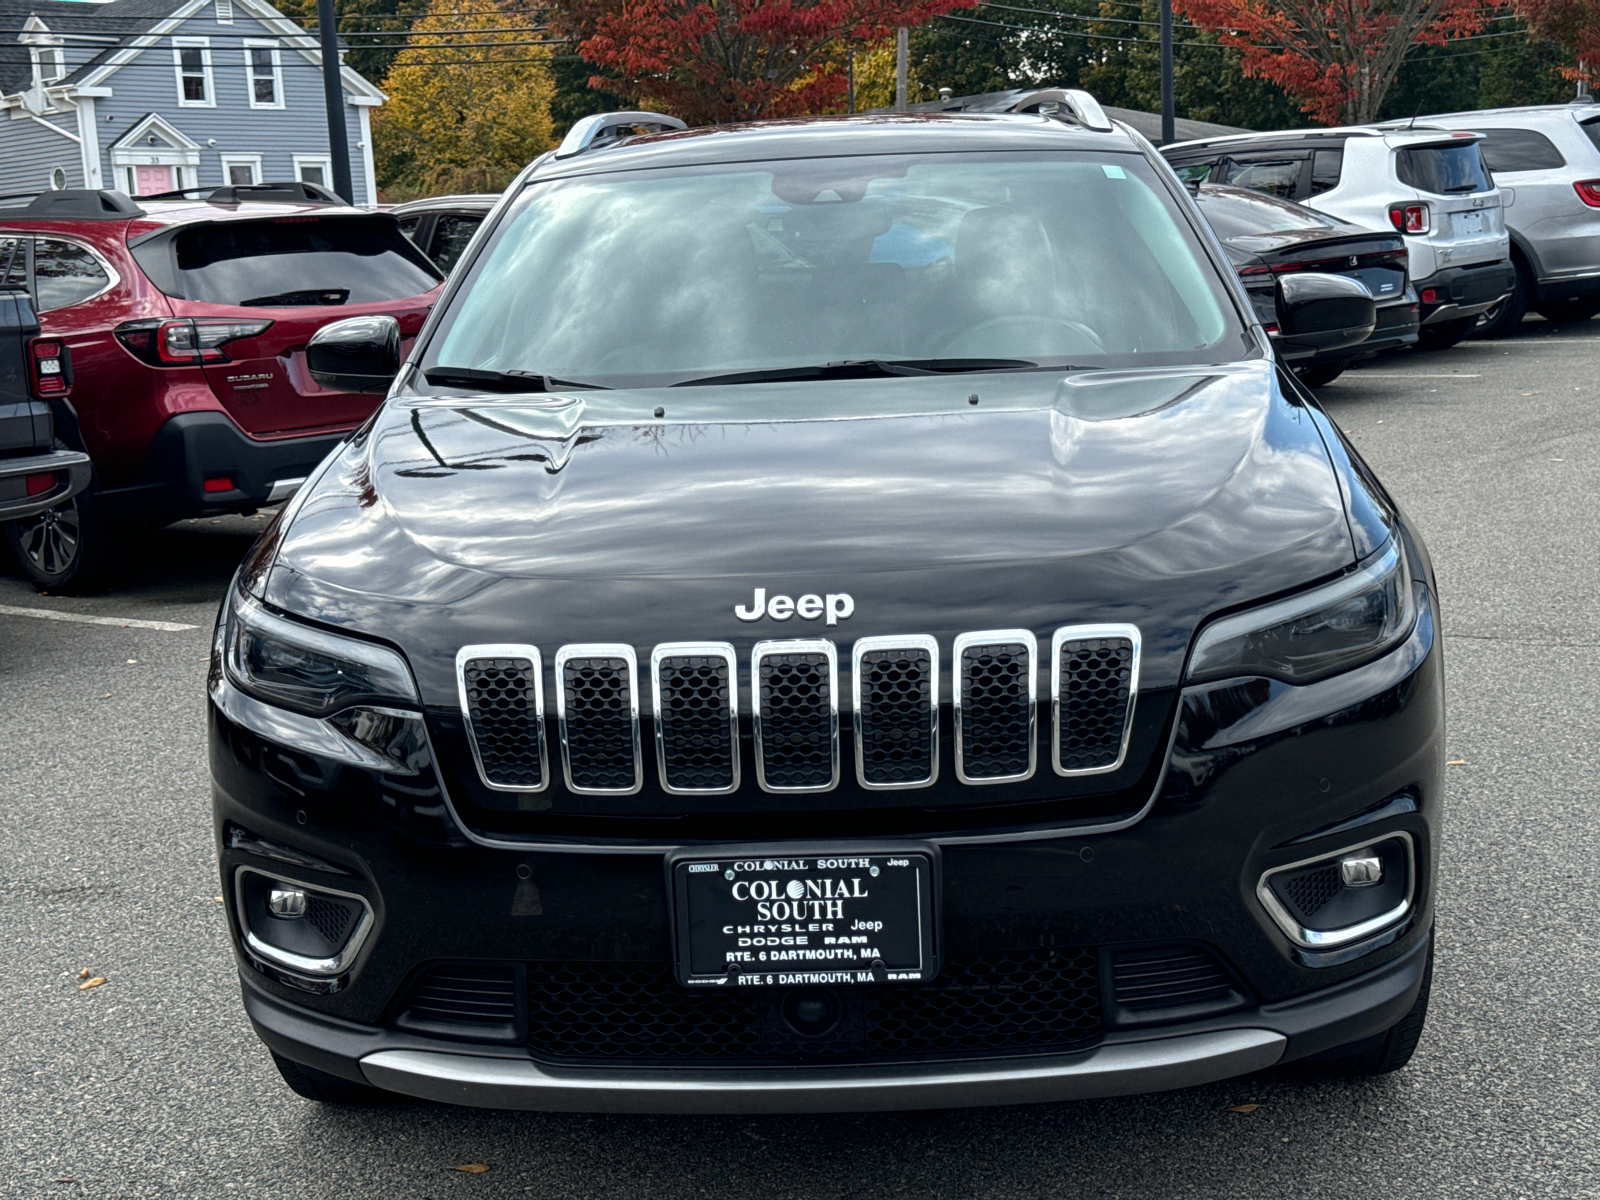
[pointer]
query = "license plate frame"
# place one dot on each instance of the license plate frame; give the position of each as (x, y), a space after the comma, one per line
(708, 909)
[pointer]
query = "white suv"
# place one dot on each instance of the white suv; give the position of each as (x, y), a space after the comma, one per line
(1429, 184)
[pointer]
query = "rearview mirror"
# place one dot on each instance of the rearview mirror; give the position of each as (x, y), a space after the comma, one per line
(358, 354)
(1322, 312)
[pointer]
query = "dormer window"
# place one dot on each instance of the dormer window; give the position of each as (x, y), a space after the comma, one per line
(191, 59)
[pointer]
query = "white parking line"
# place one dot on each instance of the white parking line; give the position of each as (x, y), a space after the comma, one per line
(50, 614)
(1406, 375)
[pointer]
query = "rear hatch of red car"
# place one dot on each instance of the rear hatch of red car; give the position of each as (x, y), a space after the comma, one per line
(248, 292)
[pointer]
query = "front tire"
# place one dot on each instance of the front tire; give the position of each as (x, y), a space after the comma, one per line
(63, 549)
(1387, 1052)
(1570, 310)
(1444, 335)
(1505, 317)
(311, 1084)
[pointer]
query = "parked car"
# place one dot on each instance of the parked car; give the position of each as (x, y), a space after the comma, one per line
(188, 315)
(1267, 238)
(1427, 185)
(1546, 160)
(37, 471)
(444, 225)
(833, 614)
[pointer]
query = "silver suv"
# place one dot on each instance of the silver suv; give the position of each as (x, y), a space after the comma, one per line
(1430, 185)
(1546, 160)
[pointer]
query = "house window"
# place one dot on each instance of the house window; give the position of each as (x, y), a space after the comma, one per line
(241, 169)
(264, 75)
(51, 64)
(313, 169)
(191, 58)
(58, 179)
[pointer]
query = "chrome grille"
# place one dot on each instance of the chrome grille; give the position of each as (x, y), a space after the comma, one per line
(795, 684)
(896, 683)
(502, 699)
(598, 703)
(697, 717)
(994, 698)
(1094, 684)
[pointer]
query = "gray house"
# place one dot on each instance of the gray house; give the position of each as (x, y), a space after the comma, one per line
(149, 95)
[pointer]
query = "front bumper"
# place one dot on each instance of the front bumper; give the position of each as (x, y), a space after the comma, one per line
(1464, 291)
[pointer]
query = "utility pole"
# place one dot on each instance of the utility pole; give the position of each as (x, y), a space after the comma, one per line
(902, 56)
(333, 95)
(1167, 115)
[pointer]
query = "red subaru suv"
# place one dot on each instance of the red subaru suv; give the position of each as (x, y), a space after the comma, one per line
(184, 319)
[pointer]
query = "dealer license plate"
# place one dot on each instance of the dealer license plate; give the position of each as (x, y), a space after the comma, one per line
(787, 916)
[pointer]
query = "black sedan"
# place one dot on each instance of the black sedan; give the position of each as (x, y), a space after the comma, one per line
(1268, 238)
(843, 614)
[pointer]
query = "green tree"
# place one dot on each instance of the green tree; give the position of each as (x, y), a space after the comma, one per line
(469, 102)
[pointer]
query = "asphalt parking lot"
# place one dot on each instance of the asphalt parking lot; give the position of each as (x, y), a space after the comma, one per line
(152, 1084)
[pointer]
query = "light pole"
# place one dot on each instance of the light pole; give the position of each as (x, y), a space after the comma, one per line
(1167, 116)
(333, 95)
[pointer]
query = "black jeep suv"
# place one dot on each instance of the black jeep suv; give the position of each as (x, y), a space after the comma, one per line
(833, 614)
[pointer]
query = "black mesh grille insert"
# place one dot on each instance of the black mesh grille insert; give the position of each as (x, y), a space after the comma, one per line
(1151, 978)
(599, 723)
(469, 994)
(330, 918)
(1018, 1001)
(995, 711)
(896, 717)
(502, 706)
(1096, 680)
(1309, 891)
(696, 738)
(796, 721)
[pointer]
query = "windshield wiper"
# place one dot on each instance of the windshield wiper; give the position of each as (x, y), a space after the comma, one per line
(306, 296)
(502, 381)
(864, 368)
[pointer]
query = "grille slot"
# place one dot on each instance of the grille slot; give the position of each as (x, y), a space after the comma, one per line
(475, 1000)
(1146, 985)
(994, 697)
(597, 697)
(896, 684)
(1093, 686)
(795, 684)
(697, 717)
(502, 699)
(1025, 1000)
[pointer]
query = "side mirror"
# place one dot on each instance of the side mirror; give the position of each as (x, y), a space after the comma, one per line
(358, 354)
(1322, 312)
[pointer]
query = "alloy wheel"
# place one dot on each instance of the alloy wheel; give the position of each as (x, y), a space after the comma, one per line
(52, 538)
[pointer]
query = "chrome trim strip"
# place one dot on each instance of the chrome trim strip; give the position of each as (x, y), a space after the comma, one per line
(1080, 633)
(795, 646)
(495, 650)
(982, 637)
(289, 961)
(908, 642)
(599, 650)
(1326, 939)
(720, 650)
(1112, 1069)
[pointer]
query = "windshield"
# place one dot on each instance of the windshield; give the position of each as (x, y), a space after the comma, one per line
(300, 260)
(1250, 214)
(1443, 170)
(647, 278)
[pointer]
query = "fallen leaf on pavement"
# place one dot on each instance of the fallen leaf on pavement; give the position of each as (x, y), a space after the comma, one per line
(1456, 762)
(91, 983)
(1244, 1108)
(83, 974)
(472, 1168)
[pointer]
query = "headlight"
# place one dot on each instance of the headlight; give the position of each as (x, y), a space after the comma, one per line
(1314, 634)
(292, 665)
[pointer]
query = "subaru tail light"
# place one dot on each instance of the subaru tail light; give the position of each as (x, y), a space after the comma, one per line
(52, 368)
(1409, 217)
(1588, 191)
(185, 342)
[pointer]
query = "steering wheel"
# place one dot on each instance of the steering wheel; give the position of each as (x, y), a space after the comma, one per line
(1021, 335)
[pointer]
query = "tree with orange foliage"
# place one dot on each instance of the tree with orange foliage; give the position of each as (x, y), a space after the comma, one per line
(711, 61)
(1575, 24)
(1336, 57)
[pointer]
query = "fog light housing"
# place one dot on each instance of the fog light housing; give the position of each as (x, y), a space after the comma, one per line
(1341, 897)
(298, 933)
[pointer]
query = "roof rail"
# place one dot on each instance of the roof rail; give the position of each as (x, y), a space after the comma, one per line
(1075, 104)
(79, 204)
(602, 130)
(291, 192)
